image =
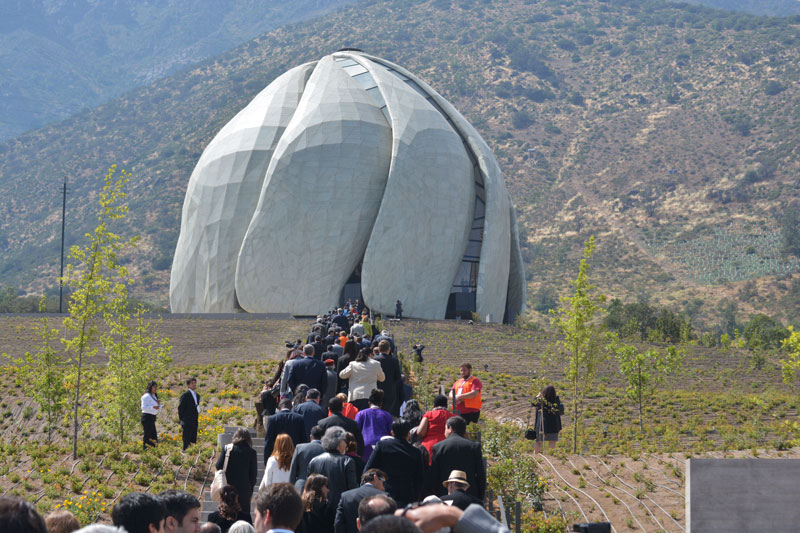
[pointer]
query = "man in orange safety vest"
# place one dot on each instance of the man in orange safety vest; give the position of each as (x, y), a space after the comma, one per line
(467, 392)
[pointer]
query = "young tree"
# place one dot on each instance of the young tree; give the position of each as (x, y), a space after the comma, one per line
(94, 281)
(136, 354)
(790, 366)
(583, 336)
(645, 371)
(43, 372)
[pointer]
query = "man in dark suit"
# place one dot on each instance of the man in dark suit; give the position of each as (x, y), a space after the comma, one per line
(341, 320)
(394, 379)
(307, 370)
(303, 453)
(188, 407)
(319, 347)
(338, 419)
(284, 421)
(402, 463)
(456, 452)
(310, 410)
(347, 510)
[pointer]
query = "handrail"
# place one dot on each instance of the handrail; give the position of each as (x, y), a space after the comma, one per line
(503, 518)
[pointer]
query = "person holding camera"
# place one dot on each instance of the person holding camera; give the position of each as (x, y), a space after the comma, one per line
(548, 418)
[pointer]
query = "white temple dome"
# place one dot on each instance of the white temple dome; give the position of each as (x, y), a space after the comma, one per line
(348, 177)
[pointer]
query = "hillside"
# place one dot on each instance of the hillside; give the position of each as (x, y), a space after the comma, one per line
(669, 131)
(59, 57)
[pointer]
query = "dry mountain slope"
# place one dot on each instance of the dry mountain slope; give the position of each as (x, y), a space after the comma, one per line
(669, 131)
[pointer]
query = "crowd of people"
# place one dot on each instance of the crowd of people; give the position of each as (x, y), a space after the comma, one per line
(346, 449)
(279, 508)
(341, 427)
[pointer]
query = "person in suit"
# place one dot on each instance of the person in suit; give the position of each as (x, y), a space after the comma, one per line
(278, 508)
(393, 379)
(188, 407)
(303, 453)
(456, 452)
(457, 487)
(309, 371)
(347, 510)
(242, 467)
(335, 465)
(333, 380)
(337, 418)
(319, 347)
(284, 421)
(402, 463)
(310, 410)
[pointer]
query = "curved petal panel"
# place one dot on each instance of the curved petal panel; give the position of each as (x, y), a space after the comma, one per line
(494, 270)
(515, 302)
(422, 227)
(222, 194)
(319, 201)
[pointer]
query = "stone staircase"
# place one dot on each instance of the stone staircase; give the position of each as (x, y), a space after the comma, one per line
(209, 506)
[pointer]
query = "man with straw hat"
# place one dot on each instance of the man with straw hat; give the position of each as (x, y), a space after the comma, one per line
(457, 487)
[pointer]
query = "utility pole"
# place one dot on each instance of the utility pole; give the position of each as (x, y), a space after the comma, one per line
(63, 219)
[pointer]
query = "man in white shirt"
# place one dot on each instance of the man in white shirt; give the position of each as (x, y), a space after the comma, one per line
(279, 509)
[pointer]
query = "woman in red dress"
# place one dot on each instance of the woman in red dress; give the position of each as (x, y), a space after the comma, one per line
(431, 428)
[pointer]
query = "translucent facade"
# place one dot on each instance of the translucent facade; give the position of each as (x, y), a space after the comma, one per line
(348, 178)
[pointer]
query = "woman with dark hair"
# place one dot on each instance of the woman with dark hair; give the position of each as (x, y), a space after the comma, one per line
(242, 467)
(352, 451)
(548, 418)
(150, 407)
(300, 395)
(412, 413)
(230, 510)
(349, 355)
(317, 514)
(363, 374)
(374, 422)
(431, 427)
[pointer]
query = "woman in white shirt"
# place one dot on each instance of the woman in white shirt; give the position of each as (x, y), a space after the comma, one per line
(278, 464)
(150, 407)
(363, 374)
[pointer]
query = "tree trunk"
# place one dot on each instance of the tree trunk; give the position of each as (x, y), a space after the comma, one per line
(641, 422)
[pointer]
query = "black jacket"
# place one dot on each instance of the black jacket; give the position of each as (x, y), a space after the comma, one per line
(303, 453)
(550, 413)
(457, 453)
(392, 384)
(340, 471)
(187, 409)
(319, 349)
(461, 499)
(284, 422)
(311, 413)
(225, 524)
(318, 520)
(347, 424)
(241, 472)
(310, 371)
(403, 466)
(347, 510)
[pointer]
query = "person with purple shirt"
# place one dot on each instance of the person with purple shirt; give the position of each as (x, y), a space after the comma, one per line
(374, 422)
